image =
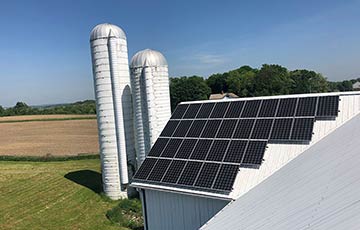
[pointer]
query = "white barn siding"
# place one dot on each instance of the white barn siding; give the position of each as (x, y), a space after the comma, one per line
(165, 211)
(278, 155)
(317, 190)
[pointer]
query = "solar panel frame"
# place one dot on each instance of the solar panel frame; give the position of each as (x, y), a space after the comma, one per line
(171, 148)
(226, 177)
(179, 111)
(207, 175)
(251, 108)
(234, 110)
(201, 149)
(205, 110)
(186, 148)
(328, 106)
(254, 153)
(192, 111)
(287, 107)
(169, 128)
(306, 106)
(281, 129)
(219, 110)
(268, 108)
(235, 151)
(196, 128)
(302, 129)
(227, 128)
(145, 169)
(262, 129)
(182, 128)
(159, 169)
(173, 173)
(158, 147)
(244, 128)
(190, 172)
(217, 150)
(211, 128)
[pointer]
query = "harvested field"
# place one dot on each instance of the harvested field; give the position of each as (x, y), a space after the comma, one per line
(41, 138)
(46, 117)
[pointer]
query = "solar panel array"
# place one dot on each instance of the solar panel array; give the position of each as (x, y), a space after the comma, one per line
(204, 145)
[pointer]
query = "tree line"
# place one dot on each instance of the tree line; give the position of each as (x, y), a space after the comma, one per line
(250, 82)
(244, 82)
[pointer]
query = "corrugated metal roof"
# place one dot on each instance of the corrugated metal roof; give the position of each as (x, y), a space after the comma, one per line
(318, 190)
(106, 30)
(146, 58)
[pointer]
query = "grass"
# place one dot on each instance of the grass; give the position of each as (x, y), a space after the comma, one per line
(54, 195)
(49, 119)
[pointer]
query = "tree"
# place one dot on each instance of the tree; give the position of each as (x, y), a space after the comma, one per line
(217, 83)
(242, 81)
(21, 108)
(306, 81)
(2, 111)
(272, 80)
(188, 89)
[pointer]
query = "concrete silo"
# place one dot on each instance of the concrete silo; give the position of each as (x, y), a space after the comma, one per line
(114, 106)
(151, 98)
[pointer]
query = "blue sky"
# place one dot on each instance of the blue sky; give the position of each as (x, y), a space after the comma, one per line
(45, 54)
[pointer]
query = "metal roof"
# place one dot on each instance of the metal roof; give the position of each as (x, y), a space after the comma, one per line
(317, 190)
(146, 58)
(106, 30)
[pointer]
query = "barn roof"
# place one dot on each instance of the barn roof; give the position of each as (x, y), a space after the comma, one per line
(318, 190)
(224, 148)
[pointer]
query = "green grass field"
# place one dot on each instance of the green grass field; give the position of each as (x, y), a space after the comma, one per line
(53, 195)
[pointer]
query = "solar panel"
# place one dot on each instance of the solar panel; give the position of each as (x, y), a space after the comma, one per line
(254, 153)
(190, 172)
(207, 175)
(235, 151)
(182, 128)
(217, 150)
(306, 106)
(179, 111)
(328, 106)
(226, 177)
(173, 173)
(205, 110)
(234, 109)
(145, 169)
(287, 107)
(192, 111)
(262, 129)
(227, 128)
(186, 148)
(203, 145)
(158, 147)
(219, 110)
(169, 128)
(201, 149)
(171, 148)
(268, 108)
(302, 129)
(281, 129)
(243, 129)
(159, 170)
(196, 128)
(211, 128)
(251, 108)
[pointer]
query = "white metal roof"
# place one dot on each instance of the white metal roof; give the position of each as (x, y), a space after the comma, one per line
(318, 190)
(106, 30)
(146, 58)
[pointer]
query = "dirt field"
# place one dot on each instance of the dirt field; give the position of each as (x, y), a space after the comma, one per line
(39, 138)
(43, 117)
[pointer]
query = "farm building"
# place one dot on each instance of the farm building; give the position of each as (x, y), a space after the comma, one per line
(356, 85)
(279, 162)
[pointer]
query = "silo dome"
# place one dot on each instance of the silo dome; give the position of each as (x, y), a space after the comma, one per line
(149, 58)
(106, 30)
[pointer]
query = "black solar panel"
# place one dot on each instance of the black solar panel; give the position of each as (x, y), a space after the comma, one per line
(302, 129)
(201, 149)
(244, 128)
(211, 128)
(281, 129)
(203, 145)
(182, 128)
(262, 129)
(207, 175)
(159, 170)
(186, 148)
(179, 111)
(328, 106)
(251, 108)
(205, 110)
(306, 106)
(217, 150)
(174, 171)
(171, 148)
(158, 147)
(226, 177)
(227, 128)
(169, 128)
(268, 108)
(287, 107)
(234, 109)
(196, 128)
(254, 153)
(236, 151)
(192, 111)
(190, 173)
(145, 169)
(219, 110)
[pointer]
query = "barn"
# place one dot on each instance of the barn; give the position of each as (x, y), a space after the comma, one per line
(253, 163)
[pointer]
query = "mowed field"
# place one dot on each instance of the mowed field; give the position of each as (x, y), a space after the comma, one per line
(41, 135)
(53, 195)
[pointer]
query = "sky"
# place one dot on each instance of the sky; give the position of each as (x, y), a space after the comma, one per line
(45, 52)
